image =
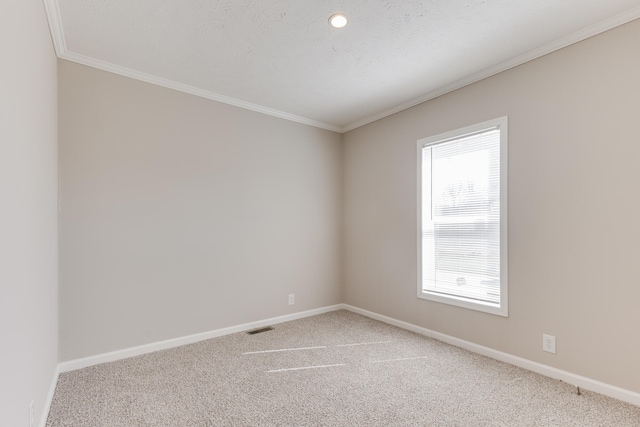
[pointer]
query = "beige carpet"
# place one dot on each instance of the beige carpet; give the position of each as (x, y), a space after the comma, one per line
(335, 369)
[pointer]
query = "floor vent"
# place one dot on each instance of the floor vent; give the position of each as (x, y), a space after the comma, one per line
(258, 331)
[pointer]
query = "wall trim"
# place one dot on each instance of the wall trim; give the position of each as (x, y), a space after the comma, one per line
(112, 356)
(548, 371)
(578, 36)
(57, 34)
(49, 399)
(55, 26)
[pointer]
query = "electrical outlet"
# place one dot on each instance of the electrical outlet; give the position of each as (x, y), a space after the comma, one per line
(291, 299)
(549, 343)
(31, 414)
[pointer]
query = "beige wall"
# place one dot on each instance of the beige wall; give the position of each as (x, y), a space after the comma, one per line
(181, 215)
(28, 211)
(574, 203)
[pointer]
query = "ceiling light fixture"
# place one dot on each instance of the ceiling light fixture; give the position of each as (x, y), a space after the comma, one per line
(338, 20)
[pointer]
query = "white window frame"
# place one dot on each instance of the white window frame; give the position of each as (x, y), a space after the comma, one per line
(501, 308)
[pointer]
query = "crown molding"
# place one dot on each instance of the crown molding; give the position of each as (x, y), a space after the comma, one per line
(578, 36)
(57, 35)
(170, 84)
(55, 25)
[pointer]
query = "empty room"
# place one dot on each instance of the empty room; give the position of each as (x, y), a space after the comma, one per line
(240, 213)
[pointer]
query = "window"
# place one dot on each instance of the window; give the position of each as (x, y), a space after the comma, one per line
(462, 214)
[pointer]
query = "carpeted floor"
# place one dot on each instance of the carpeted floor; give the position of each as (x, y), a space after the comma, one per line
(335, 369)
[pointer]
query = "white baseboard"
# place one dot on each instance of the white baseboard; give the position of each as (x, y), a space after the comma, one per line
(548, 371)
(47, 403)
(568, 377)
(112, 356)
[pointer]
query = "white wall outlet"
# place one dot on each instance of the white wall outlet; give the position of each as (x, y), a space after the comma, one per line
(31, 414)
(549, 343)
(291, 299)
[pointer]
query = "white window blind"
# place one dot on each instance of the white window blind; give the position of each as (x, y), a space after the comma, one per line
(461, 217)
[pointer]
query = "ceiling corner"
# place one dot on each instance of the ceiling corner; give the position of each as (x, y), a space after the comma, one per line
(55, 26)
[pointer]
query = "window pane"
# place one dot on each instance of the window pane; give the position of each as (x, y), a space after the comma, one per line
(461, 217)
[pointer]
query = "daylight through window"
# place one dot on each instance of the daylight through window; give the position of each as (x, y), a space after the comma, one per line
(463, 217)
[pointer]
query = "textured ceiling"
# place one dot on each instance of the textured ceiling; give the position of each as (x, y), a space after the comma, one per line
(281, 57)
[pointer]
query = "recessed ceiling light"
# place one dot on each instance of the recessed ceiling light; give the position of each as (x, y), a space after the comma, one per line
(338, 20)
